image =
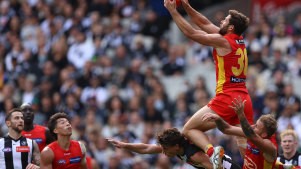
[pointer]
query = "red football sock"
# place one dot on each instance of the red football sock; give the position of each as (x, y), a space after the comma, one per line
(209, 150)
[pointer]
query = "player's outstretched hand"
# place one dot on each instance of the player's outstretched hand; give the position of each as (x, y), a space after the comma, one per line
(32, 166)
(116, 143)
(238, 105)
(210, 117)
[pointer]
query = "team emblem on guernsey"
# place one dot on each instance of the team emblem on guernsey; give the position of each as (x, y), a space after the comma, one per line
(23, 143)
(38, 140)
(7, 149)
(62, 161)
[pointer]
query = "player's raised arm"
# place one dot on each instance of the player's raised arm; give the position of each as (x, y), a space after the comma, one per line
(199, 19)
(214, 40)
(265, 126)
(140, 148)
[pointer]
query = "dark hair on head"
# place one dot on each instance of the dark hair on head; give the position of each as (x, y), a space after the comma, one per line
(270, 124)
(53, 121)
(170, 137)
(239, 21)
(9, 114)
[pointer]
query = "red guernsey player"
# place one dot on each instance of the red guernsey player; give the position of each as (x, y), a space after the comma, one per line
(33, 131)
(64, 152)
(231, 63)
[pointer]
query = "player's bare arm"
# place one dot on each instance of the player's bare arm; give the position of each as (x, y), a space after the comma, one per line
(215, 40)
(268, 148)
(47, 157)
(36, 156)
(222, 125)
(199, 19)
(84, 152)
(140, 148)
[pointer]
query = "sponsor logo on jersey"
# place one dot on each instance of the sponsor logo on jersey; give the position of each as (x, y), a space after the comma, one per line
(7, 149)
(75, 160)
(249, 163)
(254, 151)
(61, 161)
(27, 134)
(38, 140)
(67, 154)
(237, 80)
(240, 41)
(22, 149)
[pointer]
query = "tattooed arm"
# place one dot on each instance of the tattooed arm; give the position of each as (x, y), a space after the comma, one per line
(265, 145)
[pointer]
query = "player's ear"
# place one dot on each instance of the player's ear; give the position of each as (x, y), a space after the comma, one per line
(55, 131)
(231, 27)
(8, 123)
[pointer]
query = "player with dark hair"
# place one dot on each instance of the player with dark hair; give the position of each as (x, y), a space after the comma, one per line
(64, 152)
(231, 62)
(18, 152)
(38, 133)
(172, 143)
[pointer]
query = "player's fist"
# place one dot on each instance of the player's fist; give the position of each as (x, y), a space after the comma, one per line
(178, 3)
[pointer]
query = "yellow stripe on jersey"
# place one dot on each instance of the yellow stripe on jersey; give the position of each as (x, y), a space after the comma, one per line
(221, 79)
(267, 165)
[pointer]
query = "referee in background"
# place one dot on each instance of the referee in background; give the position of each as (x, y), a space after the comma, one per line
(16, 151)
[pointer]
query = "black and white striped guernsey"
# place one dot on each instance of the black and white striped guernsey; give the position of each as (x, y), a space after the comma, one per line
(295, 160)
(15, 154)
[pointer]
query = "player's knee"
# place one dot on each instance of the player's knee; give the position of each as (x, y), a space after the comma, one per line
(185, 131)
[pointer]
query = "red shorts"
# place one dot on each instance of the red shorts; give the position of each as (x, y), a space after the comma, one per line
(221, 102)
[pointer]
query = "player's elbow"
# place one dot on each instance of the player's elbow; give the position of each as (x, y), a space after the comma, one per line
(189, 33)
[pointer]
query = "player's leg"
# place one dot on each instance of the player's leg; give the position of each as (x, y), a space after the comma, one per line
(195, 127)
(194, 130)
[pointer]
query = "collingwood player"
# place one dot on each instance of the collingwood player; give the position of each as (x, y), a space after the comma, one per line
(289, 144)
(16, 151)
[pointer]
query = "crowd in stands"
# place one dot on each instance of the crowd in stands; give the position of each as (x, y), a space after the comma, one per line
(102, 62)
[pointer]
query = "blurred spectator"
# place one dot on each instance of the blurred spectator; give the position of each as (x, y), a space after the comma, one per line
(82, 50)
(294, 65)
(94, 90)
(175, 63)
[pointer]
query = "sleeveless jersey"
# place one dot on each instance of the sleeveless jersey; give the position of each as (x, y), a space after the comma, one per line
(295, 160)
(254, 157)
(67, 159)
(15, 154)
(190, 150)
(38, 134)
(231, 69)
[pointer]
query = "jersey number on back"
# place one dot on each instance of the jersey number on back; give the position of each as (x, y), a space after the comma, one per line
(242, 61)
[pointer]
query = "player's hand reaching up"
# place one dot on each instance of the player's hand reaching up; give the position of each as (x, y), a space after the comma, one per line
(170, 5)
(210, 117)
(238, 105)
